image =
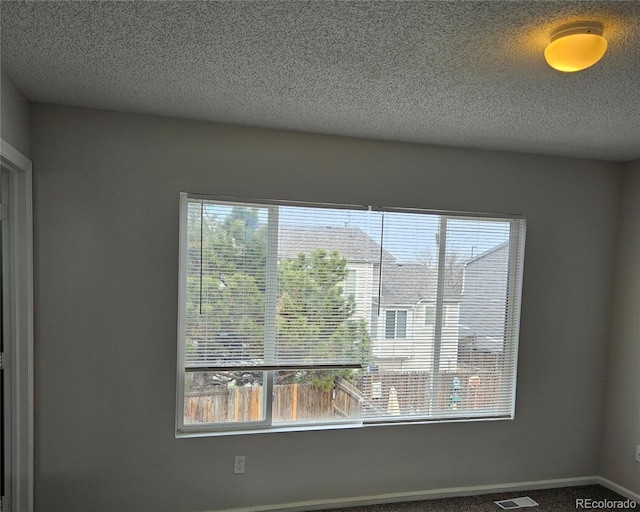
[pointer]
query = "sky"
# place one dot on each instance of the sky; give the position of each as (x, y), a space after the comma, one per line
(409, 236)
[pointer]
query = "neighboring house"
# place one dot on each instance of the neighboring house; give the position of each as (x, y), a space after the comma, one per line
(404, 330)
(482, 310)
(400, 314)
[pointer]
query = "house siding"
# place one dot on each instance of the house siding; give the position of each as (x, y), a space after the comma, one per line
(482, 312)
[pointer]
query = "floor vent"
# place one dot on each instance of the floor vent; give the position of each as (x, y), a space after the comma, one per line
(516, 503)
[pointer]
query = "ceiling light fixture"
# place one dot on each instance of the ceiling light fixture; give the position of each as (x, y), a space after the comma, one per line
(576, 46)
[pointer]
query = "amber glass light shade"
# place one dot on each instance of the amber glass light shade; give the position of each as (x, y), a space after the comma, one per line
(576, 46)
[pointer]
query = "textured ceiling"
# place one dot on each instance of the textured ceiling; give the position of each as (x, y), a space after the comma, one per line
(468, 74)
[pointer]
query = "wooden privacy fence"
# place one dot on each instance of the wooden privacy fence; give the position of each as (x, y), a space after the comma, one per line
(222, 405)
(292, 402)
(301, 402)
(374, 394)
(409, 393)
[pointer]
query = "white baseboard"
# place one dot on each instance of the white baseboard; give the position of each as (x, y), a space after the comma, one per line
(622, 491)
(450, 492)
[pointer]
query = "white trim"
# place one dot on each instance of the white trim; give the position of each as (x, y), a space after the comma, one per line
(182, 291)
(270, 312)
(253, 201)
(623, 491)
(21, 222)
(15, 157)
(517, 232)
(450, 492)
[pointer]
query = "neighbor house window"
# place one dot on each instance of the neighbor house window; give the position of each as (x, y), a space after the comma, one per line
(350, 284)
(430, 315)
(273, 336)
(396, 325)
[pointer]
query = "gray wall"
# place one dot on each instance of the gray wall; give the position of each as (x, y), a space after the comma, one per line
(106, 259)
(622, 412)
(14, 115)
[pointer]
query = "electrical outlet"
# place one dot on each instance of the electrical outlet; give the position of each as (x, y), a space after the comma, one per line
(238, 464)
(638, 453)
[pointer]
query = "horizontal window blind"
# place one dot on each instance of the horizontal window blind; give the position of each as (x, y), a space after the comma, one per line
(226, 284)
(308, 314)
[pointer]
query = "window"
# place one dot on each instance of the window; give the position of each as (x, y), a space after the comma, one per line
(272, 335)
(350, 283)
(396, 325)
(430, 315)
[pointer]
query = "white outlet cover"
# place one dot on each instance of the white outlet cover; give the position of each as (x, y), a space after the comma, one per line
(238, 464)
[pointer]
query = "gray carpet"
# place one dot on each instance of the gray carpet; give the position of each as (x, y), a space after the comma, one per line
(549, 500)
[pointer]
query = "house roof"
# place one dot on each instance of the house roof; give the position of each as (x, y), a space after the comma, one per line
(352, 243)
(402, 284)
(407, 284)
(411, 283)
(487, 253)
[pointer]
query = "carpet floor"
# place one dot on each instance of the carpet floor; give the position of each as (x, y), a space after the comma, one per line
(549, 500)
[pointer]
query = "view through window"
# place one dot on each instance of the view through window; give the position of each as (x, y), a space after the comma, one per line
(310, 315)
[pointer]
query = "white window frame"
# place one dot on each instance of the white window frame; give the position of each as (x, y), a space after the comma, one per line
(516, 262)
(395, 312)
(270, 294)
(269, 368)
